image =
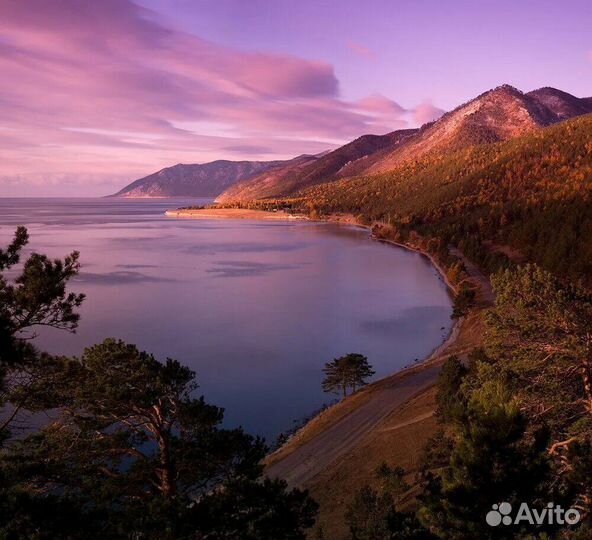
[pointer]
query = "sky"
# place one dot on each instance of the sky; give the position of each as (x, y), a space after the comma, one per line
(94, 94)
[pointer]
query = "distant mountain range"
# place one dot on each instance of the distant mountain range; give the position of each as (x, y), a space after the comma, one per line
(195, 180)
(497, 115)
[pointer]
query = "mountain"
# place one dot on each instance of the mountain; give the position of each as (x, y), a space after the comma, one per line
(494, 116)
(195, 180)
(562, 104)
(269, 183)
(305, 171)
(497, 115)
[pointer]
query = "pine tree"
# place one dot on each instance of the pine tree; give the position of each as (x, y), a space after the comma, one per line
(135, 452)
(490, 462)
(540, 335)
(36, 297)
(349, 371)
(449, 397)
(369, 515)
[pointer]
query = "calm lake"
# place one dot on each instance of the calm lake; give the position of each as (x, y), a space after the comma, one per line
(255, 308)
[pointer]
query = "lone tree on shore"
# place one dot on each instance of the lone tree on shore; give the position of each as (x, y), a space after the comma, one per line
(349, 371)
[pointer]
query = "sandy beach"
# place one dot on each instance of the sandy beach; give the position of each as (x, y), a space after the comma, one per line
(232, 213)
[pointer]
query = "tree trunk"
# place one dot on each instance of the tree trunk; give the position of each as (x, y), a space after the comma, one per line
(166, 473)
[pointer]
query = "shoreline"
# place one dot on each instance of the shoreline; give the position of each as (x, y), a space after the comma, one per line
(239, 213)
(457, 323)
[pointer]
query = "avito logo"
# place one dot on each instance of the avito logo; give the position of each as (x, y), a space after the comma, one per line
(552, 514)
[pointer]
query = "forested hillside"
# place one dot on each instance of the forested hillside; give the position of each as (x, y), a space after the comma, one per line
(531, 193)
(514, 412)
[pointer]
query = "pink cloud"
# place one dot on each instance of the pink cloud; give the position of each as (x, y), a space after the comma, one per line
(426, 112)
(381, 105)
(101, 90)
(361, 50)
(388, 115)
(286, 77)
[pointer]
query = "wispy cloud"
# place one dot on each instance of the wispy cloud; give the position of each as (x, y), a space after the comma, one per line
(388, 114)
(97, 91)
(361, 50)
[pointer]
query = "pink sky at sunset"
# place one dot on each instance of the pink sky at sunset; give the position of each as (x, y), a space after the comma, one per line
(96, 94)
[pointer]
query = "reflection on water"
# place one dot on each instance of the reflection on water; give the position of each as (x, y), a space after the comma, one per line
(246, 268)
(255, 308)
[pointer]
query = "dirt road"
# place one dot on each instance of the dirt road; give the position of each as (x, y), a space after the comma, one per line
(305, 462)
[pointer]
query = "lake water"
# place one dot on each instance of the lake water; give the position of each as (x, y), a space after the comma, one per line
(255, 308)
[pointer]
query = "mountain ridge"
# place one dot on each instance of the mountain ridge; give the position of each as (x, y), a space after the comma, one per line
(194, 180)
(496, 115)
(499, 114)
(331, 165)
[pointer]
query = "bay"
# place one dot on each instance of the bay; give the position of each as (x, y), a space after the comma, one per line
(254, 307)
